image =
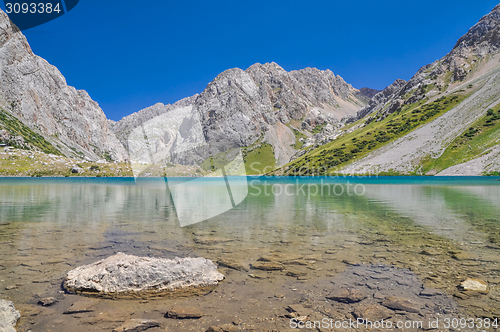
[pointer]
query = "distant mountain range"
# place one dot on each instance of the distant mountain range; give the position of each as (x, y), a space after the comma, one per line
(445, 120)
(263, 105)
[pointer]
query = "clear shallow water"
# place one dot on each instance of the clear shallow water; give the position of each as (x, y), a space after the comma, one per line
(442, 229)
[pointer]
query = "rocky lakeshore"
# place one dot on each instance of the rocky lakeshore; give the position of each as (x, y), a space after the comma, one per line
(262, 293)
(358, 258)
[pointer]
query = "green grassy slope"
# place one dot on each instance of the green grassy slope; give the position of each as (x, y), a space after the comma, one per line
(377, 132)
(260, 160)
(17, 128)
(472, 143)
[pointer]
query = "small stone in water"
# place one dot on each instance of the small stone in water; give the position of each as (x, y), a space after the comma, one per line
(223, 328)
(477, 285)
(184, 313)
(48, 301)
(268, 266)
(397, 303)
(430, 292)
(372, 312)
(136, 325)
(346, 295)
(80, 306)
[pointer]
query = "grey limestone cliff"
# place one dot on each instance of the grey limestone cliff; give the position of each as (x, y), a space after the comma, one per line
(36, 93)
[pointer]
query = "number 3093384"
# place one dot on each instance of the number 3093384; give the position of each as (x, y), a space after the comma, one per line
(32, 8)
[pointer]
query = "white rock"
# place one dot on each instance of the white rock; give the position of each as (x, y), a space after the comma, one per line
(477, 285)
(122, 274)
(8, 316)
(76, 169)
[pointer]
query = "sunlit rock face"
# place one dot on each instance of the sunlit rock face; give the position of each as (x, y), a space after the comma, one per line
(36, 93)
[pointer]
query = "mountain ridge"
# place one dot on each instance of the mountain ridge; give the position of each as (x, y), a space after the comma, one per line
(262, 104)
(452, 94)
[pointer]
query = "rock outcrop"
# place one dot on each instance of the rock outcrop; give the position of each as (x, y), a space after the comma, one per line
(8, 316)
(483, 38)
(36, 93)
(377, 102)
(124, 275)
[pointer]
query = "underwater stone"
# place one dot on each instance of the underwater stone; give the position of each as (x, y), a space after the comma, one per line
(477, 285)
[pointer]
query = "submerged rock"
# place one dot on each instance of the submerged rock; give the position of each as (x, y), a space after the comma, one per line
(385, 291)
(397, 303)
(124, 275)
(137, 325)
(81, 306)
(232, 264)
(48, 301)
(372, 312)
(267, 266)
(476, 285)
(346, 295)
(223, 328)
(8, 316)
(184, 313)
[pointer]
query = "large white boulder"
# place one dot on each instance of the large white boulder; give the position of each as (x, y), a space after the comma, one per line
(8, 316)
(123, 275)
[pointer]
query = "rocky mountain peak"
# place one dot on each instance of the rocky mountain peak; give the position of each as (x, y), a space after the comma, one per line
(270, 67)
(473, 52)
(35, 93)
(483, 37)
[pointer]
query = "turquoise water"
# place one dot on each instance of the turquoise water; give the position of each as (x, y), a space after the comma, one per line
(442, 228)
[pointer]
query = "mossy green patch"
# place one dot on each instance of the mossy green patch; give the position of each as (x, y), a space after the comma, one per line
(298, 135)
(472, 143)
(260, 159)
(17, 128)
(218, 161)
(318, 128)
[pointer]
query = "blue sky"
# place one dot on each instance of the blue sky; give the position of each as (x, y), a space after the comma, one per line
(130, 54)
